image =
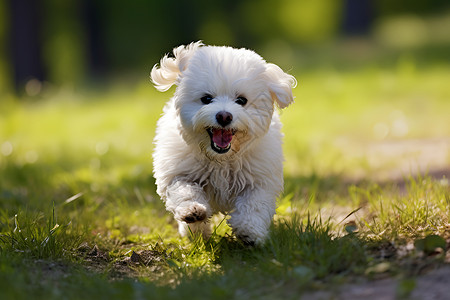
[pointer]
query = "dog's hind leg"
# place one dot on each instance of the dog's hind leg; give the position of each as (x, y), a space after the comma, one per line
(252, 216)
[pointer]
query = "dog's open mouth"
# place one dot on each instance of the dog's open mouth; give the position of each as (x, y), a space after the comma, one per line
(220, 139)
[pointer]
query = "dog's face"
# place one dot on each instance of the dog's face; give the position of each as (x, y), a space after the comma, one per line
(225, 96)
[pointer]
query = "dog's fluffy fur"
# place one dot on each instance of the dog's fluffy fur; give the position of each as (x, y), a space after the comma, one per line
(218, 142)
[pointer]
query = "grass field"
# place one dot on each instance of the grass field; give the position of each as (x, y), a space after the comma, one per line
(79, 216)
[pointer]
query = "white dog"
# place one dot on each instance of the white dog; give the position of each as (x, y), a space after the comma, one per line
(218, 143)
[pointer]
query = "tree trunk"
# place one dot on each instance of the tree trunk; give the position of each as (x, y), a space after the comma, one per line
(25, 41)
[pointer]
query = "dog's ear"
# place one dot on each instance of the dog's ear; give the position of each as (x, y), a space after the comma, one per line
(280, 85)
(164, 76)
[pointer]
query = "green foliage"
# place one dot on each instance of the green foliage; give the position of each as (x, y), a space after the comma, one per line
(422, 210)
(430, 243)
(311, 244)
(38, 238)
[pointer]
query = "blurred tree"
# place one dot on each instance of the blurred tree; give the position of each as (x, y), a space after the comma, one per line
(73, 41)
(5, 80)
(26, 21)
(95, 44)
(64, 42)
(309, 21)
(137, 33)
(419, 7)
(357, 17)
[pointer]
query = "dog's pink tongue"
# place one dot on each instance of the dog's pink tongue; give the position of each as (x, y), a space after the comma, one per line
(222, 137)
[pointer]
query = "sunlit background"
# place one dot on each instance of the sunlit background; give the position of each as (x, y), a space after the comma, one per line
(373, 93)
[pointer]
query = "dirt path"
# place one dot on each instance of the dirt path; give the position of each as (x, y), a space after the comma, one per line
(396, 160)
(435, 285)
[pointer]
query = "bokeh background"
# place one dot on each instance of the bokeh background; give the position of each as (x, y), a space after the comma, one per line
(84, 43)
(77, 106)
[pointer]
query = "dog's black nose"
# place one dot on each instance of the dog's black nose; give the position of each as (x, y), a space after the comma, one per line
(224, 118)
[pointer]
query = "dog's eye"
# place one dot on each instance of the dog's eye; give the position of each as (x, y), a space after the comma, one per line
(207, 99)
(241, 100)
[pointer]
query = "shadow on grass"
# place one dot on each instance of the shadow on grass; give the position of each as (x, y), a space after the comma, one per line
(322, 187)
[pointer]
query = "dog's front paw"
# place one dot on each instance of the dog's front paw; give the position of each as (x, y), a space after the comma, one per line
(191, 213)
(197, 213)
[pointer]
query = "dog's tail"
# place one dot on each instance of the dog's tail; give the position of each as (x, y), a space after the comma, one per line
(166, 74)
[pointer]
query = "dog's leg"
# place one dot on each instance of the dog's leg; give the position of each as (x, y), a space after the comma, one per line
(189, 205)
(252, 216)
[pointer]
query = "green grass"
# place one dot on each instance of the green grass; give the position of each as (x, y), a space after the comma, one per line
(80, 218)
